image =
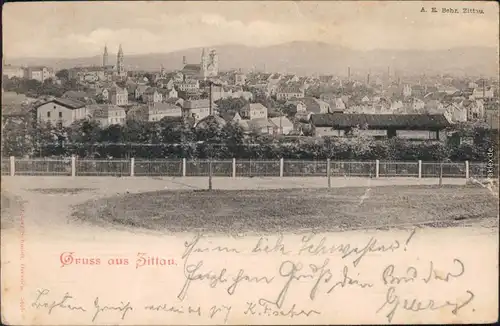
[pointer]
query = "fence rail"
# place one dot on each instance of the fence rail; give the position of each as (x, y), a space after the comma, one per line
(245, 168)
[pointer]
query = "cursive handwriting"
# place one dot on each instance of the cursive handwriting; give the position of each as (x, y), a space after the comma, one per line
(309, 246)
(266, 309)
(123, 308)
(320, 273)
(264, 246)
(39, 303)
(174, 309)
(192, 273)
(191, 246)
(412, 304)
(411, 274)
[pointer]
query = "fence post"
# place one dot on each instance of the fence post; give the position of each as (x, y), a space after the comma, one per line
(467, 170)
(184, 167)
(132, 163)
(440, 173)
(420, 169)
(234, 168)
(281, 167)
(210, 175)
(12, 166)
(73, 165)
(328, 173)
(377, 168)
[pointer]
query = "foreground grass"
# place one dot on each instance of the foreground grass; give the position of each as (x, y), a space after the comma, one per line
(266, 211)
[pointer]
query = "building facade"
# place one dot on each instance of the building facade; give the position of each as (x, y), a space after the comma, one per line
(61, 111)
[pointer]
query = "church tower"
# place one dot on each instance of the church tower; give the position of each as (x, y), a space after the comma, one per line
(120, 66)
(214, 63)
(204, 64)
(105, 56)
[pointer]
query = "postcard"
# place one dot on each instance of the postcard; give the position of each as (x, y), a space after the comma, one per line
(244, 163)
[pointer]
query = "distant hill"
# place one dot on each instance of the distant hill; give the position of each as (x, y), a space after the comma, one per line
(307, 58)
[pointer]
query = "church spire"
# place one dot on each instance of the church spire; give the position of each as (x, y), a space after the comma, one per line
(105, 56)
(120, 66)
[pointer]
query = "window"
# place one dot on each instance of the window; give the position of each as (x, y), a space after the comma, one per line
(48, 114)
(60, 114)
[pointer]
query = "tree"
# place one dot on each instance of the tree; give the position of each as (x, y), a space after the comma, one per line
(63, 74)
(84, 131)
(231, 104)
(113, 134)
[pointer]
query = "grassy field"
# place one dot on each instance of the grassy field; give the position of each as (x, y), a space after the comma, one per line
(266, 211)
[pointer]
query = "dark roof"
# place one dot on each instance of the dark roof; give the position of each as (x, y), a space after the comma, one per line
(192, 67)
(400, 121)
(69, 103)
(77, 95)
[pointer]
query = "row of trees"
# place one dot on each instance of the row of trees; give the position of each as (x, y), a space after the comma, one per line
(170, 139)
(34, 88)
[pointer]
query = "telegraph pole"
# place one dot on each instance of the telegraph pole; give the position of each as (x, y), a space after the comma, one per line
(210, 96)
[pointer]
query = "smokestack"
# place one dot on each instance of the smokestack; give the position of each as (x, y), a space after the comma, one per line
(484, 90)
(184, 61)
(348, 73)
(368, 79)
(388, 71)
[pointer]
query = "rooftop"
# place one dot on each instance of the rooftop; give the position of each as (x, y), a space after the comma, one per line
(402, 121)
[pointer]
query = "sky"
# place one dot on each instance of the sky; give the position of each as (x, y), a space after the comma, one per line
(79, 29)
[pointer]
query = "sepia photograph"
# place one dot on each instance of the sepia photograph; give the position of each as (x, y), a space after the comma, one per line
(249, 162)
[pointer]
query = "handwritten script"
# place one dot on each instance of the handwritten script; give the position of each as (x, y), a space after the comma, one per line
(271, 277)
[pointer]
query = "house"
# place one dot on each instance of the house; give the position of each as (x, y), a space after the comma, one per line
(139, 91)
(417, 105)
(475, 109)
(232, 117)
(108, 114)
(447, 89)
(286, 93)
(418, 91)
(189, 85)
(152, 95)
(172, 93)
(407, 90)
(197, 109)
(242, 94)
(218, 92)
(253, 111)
(59, 110)
(261, 126)
(434, 106)
(165, 83)
(299, 106)
(314, 105)
(12, 71)
(336, 105)
(40, 73)
(118, 96)
(456, 112)
(290, 79)
(482, 93)
(329, 96)
(282, 125)
(406, 126)
(157, 111)
(240, 78)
